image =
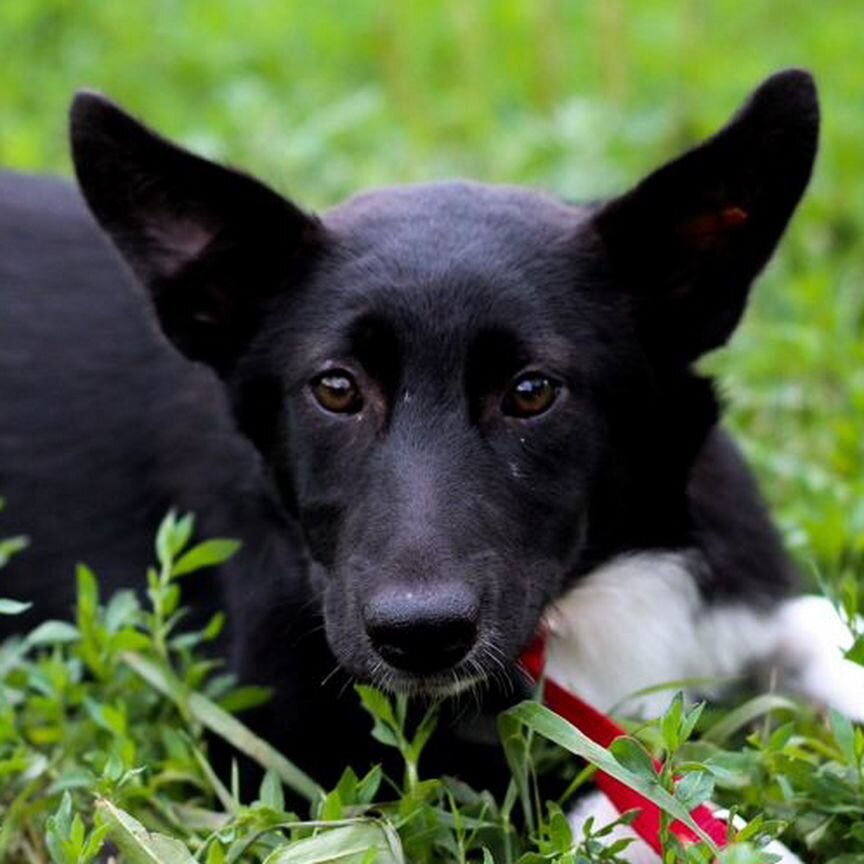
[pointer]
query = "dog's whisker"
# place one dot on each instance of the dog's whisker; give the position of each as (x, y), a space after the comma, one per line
(331, 674)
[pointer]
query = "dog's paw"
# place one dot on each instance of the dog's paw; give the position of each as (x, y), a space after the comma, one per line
(811, 641)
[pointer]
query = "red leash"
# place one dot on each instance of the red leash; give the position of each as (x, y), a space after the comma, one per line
(602, 730)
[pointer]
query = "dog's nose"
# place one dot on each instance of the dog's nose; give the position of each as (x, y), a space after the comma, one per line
(423, 630)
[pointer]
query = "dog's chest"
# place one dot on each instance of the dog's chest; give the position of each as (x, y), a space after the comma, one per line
(640, 621)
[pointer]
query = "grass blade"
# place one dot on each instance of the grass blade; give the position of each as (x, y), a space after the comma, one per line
(136, 843)
(220, 722)
(745, 714)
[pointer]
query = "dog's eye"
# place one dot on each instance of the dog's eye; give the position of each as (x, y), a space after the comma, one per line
(337, 391)
(530, 395)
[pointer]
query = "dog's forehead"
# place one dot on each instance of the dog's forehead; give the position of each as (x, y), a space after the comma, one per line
(454, 219)
(444, 268)
(447, 253)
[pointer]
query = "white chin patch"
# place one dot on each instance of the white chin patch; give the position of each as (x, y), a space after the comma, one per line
(639, 622)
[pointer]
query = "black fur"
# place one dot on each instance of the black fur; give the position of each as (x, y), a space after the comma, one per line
(432, 509)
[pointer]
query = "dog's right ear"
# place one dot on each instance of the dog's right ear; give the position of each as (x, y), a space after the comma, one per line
(210, 243)
(686, 243)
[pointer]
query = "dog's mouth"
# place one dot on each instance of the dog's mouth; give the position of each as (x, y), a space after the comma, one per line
(485, 668)
(434, 687)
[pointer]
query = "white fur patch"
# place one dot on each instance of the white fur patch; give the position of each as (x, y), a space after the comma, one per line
(639, 621)
(811, 639)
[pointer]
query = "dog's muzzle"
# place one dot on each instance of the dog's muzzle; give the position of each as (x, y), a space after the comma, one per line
(423, 630)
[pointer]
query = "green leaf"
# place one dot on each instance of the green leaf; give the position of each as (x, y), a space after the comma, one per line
(13, 607)
(691, 718)
(138, 845)
(386, 728)
(670, 725)
(106, 716)
(695, 788)
(780, 737)
(94, 843)
(331, 807)
(377, 704)
(346, 844)
(53, 633)
(367, 788)
(560, 834)
(214, 627)
(346, 788)
(210, 553)
(270, 793)
(423, 734)
(633, 756)
(385, 735)
(215, 854)
(164, 539)
(844, 735)
(11, 546)
(183, 528)
(58, 829)
(121, 610)
(88, 590)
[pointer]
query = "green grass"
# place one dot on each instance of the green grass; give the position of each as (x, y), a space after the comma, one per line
(102, 741)
(326, 99)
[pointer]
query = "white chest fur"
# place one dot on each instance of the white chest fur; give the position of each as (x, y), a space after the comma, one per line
(639, 621)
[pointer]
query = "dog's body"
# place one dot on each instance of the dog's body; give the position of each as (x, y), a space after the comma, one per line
(104, 428)
(467, 406)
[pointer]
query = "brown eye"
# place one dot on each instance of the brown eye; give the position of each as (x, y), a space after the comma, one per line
(531, 394)
(337, 391)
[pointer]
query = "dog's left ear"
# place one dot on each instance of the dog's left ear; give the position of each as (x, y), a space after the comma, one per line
(687, 242)
(210, 243)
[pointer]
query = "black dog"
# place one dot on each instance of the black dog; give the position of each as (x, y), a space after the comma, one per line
(465, 402)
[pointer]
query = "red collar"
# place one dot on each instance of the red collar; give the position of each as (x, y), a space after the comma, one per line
(603, 730)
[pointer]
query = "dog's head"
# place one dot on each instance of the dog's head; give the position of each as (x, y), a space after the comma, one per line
(465, 394)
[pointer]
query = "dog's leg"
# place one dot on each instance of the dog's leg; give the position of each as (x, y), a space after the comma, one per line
(797, 648)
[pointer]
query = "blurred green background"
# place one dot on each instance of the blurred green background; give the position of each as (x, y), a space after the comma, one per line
(322, 99)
